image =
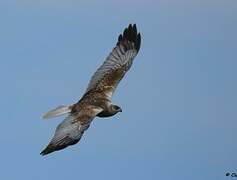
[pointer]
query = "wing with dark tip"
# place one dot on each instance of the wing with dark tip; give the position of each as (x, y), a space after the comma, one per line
(70, 131)
(119, 61)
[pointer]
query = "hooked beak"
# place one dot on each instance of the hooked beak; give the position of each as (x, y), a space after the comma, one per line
(120, 110)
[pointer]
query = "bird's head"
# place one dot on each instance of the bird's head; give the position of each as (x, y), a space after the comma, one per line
(115, 109)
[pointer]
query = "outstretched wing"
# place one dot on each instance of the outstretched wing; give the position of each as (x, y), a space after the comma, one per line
(119, 61)
(70, 131)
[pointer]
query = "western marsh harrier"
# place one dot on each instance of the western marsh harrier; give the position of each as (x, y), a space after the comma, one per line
(97, 99)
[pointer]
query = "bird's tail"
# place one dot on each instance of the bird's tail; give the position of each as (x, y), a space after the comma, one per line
(60, 110)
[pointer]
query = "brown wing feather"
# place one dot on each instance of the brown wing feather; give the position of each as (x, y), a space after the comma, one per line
(119, 61)
(70, 131)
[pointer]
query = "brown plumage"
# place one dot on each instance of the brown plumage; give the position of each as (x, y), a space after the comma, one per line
(97, 99)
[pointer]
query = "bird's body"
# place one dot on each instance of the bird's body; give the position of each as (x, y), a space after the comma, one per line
(97, 99)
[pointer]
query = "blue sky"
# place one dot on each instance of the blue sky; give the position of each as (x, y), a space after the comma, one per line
(179, 99)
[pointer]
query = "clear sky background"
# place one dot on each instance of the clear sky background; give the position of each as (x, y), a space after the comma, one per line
(179, 101)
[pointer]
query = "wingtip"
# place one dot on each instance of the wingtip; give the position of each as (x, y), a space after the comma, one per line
(138, 42)
(135, 28)
(47, 150)
(130, 34)
(43, 153)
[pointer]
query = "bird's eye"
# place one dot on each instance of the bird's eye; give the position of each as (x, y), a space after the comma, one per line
(117, 109)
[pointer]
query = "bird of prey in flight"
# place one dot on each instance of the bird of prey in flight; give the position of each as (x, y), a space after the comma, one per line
(97, 99)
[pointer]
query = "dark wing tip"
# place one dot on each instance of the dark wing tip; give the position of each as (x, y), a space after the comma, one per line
(63, 143)
(47, 150)
(138, 42)
(130, 35)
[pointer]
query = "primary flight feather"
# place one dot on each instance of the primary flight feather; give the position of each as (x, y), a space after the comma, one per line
(97, 99)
